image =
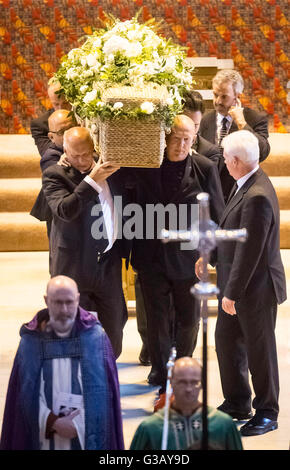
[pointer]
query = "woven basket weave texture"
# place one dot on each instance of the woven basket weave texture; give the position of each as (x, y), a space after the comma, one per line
(132, 143)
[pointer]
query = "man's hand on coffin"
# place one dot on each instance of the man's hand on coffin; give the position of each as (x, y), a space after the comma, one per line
(101, 171)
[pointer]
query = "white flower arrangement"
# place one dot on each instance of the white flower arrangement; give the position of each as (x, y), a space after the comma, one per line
(125, 54)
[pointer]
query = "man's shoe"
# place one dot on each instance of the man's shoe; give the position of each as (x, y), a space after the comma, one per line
(144, 357)
(258, 425)
(153, 378)
(235, 414)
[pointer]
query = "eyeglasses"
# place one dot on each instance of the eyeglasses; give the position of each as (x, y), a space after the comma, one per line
(60, 132)
(193, 383)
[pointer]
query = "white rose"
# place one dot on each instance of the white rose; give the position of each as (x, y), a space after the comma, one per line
(83, 88)
(118, 105)
(90, 96)
(170, 64)
(92, 60)
(147, 107)
(84, 61)
(169, 101)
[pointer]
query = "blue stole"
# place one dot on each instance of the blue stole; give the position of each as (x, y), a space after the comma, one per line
(87, 348)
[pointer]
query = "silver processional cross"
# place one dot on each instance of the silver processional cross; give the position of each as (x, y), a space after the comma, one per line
(204, 238)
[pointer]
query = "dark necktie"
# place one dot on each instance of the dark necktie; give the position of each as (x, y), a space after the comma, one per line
(224, 130)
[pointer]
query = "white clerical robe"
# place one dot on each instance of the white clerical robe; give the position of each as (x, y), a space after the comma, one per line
(61, 382)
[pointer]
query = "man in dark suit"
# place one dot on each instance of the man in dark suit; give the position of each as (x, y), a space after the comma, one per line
(58, 122)
(194, 108)
(229, 116)
(166, 271)
(39, 126)
(252, 282)
(83, 239)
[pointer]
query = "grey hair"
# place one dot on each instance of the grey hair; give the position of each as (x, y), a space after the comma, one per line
(242, 144)
(232, 76)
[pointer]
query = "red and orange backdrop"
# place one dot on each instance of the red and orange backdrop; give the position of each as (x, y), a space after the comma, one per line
(35, 34)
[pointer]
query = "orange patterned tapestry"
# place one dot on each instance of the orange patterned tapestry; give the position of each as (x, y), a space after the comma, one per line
(35, 34)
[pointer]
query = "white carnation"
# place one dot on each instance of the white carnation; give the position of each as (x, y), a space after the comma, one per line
(135, 34)
(73, 53)
(71, 74)
(83, 88)
(147, 107)
(90, 96)
(92, 60)
(134, 49)
(115, 44)
(97, 43)
(87, 73)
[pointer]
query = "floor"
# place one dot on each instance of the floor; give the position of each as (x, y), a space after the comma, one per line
(23, 281)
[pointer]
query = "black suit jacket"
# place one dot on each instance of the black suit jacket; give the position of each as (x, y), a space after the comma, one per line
(207, 149)
(39, 131)
(74, 251)
(246, 270)
(201, 175)
(257, 123)
(40, 209)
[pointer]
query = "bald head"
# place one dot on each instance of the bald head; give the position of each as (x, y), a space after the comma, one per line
(60, 282)
(76, 135)
(182, 122)
(79, 148)
(186, 362)
(186, 384)
(62, 299)
(180, 139)
(58, 122)
(57, 99)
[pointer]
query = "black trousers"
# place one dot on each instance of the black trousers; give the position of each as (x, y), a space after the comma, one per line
(246, 342)
(158, 290)
(107, 298)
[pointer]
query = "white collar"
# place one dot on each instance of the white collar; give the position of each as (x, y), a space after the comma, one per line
(220, 118)
(241, 181)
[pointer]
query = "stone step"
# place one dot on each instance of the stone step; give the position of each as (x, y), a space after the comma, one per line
(278, 161)
(19, 231)
(282, 188)
(18, 194)
(19, 157)
(284, 229)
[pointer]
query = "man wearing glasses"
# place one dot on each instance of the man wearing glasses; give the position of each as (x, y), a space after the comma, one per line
(185, 417)
(58, 122)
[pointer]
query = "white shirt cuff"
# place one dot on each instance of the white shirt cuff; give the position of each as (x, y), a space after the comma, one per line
(92, 183)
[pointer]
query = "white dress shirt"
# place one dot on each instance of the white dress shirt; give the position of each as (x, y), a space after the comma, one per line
(107, 203)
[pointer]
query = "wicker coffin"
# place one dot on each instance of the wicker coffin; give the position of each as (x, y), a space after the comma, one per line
(132, 143)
